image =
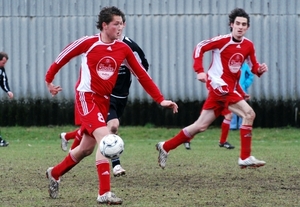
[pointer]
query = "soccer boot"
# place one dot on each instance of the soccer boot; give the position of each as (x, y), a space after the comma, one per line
(162, 156)
(251, 162)
(109, 198)
(118, 171)
(226, 145)
(64, 142)
(3, 143)
(187, 145)
(53, 184)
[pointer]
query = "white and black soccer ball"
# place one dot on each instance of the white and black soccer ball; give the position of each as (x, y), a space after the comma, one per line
(111, 146)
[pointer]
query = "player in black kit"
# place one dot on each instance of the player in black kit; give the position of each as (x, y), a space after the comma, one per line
(119, 97)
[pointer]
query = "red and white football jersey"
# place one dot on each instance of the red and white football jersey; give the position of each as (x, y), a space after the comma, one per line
(227, 59)
(100, 63)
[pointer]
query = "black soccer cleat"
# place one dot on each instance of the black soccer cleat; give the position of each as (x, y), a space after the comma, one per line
(226, 145)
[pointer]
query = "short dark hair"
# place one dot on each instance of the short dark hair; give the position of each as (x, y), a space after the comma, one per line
(106, 15)
(2, 55)
(238, 12)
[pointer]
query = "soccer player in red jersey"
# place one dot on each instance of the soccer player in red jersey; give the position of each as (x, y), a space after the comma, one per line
(101, 57)
(118, 102)
(228, 115)
(228, 54)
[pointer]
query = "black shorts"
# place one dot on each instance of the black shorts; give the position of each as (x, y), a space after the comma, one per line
(116, 108)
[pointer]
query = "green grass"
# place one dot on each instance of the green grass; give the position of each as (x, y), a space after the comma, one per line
(207, 175)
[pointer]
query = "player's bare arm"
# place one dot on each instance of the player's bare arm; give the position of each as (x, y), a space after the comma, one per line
(202, 77)
(53, 89)
(170, 104)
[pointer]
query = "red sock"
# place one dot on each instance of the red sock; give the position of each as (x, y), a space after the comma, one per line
(179, 139)
(246, 137)
(77, 139)
(71, 135)
(103, 176)
(225, 130)
(67, 164)
(188, 140)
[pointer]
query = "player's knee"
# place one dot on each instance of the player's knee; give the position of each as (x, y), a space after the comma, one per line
(250, 115)
(114, 129)
(201, 128)
(87, 152)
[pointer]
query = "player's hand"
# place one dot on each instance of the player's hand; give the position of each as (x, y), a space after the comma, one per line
(221, 90)
(202, 77)
(53, 89)
(262, 68)
(10, 94)
(246, 97)
(170, 104)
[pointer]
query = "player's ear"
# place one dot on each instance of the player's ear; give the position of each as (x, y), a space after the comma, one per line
(104, 25)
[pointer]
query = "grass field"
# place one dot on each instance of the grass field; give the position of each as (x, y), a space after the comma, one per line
(207, 175)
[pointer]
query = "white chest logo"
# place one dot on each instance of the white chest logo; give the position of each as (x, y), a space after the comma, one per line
(106, 67)
(235, 62)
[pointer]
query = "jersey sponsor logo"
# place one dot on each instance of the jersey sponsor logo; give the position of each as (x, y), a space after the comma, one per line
(106, 67)
(235, 62)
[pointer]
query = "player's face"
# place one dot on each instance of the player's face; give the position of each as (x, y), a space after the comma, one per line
(113, 30)
(239, 27)
(2, 62)
(123, 26)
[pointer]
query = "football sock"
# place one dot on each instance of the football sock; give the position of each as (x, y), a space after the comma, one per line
(77, 140)
(103, 176)
(224, 130)
(182, 137)
(67, 164)
(246, 137)
(71, 135)
(115, 162)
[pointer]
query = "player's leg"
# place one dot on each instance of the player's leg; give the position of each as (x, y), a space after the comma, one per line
(117, 106)
(78, 138)
(97, 119)
(242, 109)
(65, 137)
(105, 196)
(118, 170)
(200, 125)
(225, 130)
(72, 159)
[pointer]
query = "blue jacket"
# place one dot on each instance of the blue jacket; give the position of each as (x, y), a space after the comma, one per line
(246, 78)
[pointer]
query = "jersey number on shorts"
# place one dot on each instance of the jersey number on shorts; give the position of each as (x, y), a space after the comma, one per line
(100, 118)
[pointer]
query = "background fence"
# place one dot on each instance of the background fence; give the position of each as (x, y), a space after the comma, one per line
(35, 31)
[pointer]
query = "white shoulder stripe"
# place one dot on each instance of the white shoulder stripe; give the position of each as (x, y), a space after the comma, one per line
(71, 47)
(205, 42)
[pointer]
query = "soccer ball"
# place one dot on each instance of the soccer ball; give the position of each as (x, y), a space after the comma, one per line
(111, 146)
